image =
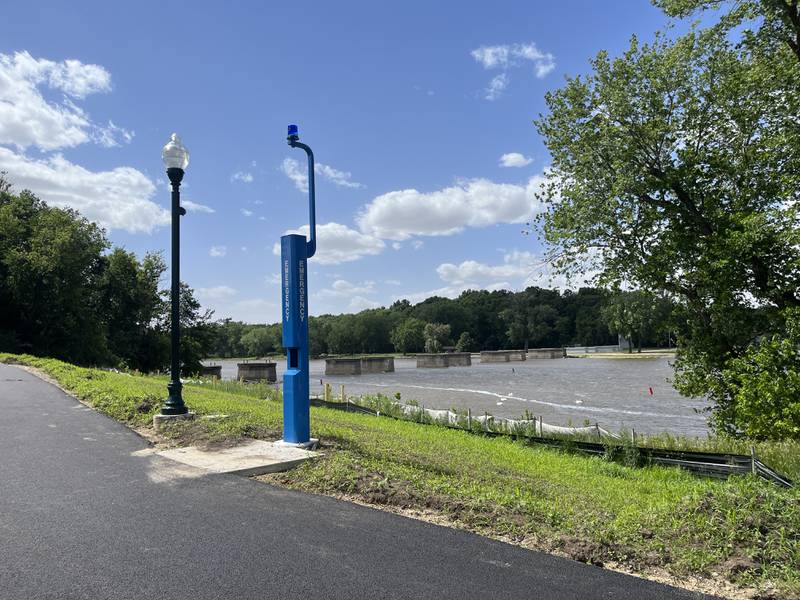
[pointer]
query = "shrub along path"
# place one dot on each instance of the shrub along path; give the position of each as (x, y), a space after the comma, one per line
(648, 520)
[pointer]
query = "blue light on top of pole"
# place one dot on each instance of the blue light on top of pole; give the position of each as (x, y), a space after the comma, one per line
(294, 133)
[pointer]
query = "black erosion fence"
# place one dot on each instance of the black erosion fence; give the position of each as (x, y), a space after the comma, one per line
(707, 464)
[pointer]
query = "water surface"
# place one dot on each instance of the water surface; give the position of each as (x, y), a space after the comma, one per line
(612, 392)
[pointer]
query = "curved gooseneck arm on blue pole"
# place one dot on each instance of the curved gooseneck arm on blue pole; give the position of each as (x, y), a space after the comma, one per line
(312, 211)
(295, 252)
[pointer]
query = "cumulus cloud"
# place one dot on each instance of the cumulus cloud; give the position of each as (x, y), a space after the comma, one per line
(115, 199)
(342, 288)
(359, 303)
(516, 265)
(246, 213)
(514, 159)
(519, 269)
(195, 207)
(338, 243)
(299, 174)
(218, 251)
(508, 56)
(402, 214)
(119, 198)
(248, 310)
(28, 119)
(218, 292)
(242, 176)
(451, 291)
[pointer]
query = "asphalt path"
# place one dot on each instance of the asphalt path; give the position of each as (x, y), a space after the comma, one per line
(88, 512)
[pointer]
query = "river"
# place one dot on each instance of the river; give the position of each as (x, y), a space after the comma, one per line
(614, 392)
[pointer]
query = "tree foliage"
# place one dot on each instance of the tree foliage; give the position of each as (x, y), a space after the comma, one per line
(553, 319)
(764, 385)
(676, 168)
(409, 336)
(64, 295)
(437, 335)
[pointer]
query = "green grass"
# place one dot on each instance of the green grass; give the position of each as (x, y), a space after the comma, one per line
(592, 509)
(783, 456)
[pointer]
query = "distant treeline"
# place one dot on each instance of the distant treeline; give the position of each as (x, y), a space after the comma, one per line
(65, 293)
(476, 320)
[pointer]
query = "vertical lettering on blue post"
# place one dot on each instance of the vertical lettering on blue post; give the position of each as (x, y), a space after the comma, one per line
(301, 289)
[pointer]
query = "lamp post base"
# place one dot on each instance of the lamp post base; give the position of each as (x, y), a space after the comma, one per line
(159, 419)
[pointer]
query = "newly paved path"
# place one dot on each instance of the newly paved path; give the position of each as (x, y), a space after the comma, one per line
(86, 512)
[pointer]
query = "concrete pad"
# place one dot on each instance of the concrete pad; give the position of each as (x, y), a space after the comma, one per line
(253, 458)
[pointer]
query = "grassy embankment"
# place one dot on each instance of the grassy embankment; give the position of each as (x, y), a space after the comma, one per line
(594, 510)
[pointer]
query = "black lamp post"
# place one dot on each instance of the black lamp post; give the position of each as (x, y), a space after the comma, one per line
(176, 159)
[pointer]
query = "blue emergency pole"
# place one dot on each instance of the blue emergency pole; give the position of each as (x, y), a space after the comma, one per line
(295, 252)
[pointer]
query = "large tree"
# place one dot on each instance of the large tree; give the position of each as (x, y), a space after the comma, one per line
(50, 270)
(131, 306)
(676, 168)
(409, 336)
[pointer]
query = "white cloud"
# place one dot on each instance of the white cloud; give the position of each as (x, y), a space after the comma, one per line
(417, 244)
(392, 282)
(343, 289)
(119, 198)
(497, 85)
(75, 78)
(291, 168)
(507, 56)
(338, 243)
(450, 291)
(28, 119)
(115, 199)
(218, 292)
(519, 269)
(242, 176)
(402, 214)
(250, 310)
(359, 303)
(299, 174)
(274, 279)
(335, 176)
(195, 207)
(516, 265)
(515, 159)
(110, 135)
(247, 213)
(397, 245)
(513, 55)
(218, 251)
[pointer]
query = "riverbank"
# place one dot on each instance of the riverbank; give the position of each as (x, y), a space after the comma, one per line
(729, 538)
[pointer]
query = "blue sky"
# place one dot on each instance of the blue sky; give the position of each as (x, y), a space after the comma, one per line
(410, 108)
